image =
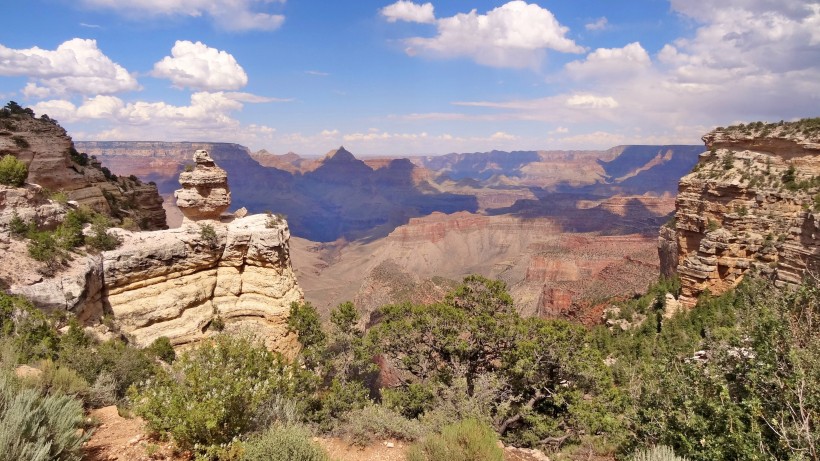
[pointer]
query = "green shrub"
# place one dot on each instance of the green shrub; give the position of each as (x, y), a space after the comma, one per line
(284, 443)
(126, 365)
(18, 227)
(100, 239)
(32, 334)
(162, 349)
(78, 158)
(38, 428)
(728, 160)
(277, 409)
(103, 392)
(453, 402)
(213, 392)
(20, 141)
(659, 453)
(376, 422)
(217, 323)
(57, 379)
(338, 399)
(60, 197)
(411, 400)
(69, 234)
(468, 440)
(208, 234)
(43, 247)
(13, 172)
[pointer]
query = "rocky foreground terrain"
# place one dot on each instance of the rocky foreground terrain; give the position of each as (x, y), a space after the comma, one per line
(752, 203)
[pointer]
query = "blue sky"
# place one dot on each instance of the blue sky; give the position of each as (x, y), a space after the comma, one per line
(404, 78)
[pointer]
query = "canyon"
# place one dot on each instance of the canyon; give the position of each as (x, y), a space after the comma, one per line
(564, 229)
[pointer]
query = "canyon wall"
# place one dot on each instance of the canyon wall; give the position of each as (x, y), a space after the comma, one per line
(752, 203)
(55, 165)
(550, 272)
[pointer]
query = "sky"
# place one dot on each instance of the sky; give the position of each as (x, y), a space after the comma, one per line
(401, 78)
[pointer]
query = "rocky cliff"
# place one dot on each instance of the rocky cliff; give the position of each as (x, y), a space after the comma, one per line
(55, 164)
(752, 203)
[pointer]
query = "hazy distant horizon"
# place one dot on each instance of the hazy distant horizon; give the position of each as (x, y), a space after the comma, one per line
(314, 156)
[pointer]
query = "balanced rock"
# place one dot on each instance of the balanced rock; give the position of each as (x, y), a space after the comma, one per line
(205, 193)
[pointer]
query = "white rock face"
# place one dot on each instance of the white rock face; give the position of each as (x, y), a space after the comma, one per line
(174, 283)
(29, 204)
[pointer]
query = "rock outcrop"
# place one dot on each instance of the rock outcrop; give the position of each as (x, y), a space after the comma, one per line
(30, 204)
(177, 283)
(209, 275)
(55, 164)
(205, 193)
(752, 203)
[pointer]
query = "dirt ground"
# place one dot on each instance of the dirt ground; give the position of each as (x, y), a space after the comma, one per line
(124, 439)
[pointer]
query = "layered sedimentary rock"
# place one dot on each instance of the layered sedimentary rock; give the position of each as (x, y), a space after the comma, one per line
(752, 203)
(205, 193)
(185, 284)
(176, 283)
(339, 196)
(54, 164)
(207, 275)
(549, 272)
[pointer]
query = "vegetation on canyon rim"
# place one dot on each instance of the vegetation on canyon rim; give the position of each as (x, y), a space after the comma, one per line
(753, 393)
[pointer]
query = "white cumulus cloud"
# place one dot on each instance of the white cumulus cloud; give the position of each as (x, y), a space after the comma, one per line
(198, 66)
(236, 15)
(208, 116)
(607, 63)
(516, 34)
(590, 101)
(405, 10)
(76, 66)
(502, 136)
(598, 24)
(743, 60)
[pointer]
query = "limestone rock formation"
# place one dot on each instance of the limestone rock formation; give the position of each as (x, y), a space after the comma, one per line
(751, 203)
(205, 193)
(185, 283)
(30, 204)
(175, 283)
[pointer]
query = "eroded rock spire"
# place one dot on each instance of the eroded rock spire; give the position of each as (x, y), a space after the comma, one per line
(205, 193)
